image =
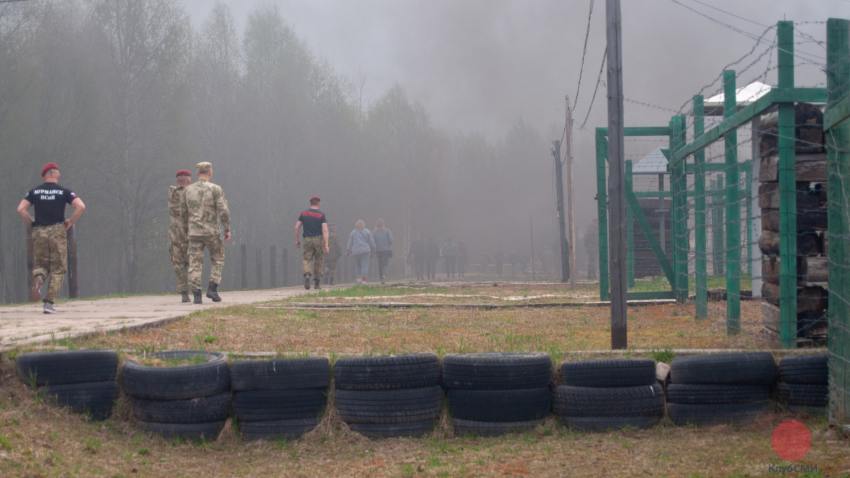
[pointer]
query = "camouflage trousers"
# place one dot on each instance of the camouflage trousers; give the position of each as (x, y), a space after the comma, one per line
(215, 246)
(180, 261)
(50, 257)
(314, 256)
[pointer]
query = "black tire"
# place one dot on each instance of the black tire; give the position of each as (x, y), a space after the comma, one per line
(393, 430)
(497, 371)
(185, 431)
(806, 369)
(500, 405)
(389, 406)
(280, 374)
(60, 368)
(750, 368)
(391, 372)
(277, 429)
(194, 410)
(489, 429)
(275, 405)
(602, 424)
(176, 383)
(684, 414)
(716, 394)
(609, 373)
(645, 401)
(804, 394)
(94, 398)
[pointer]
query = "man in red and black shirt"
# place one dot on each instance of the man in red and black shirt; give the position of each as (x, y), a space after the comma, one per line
(49, 231)
(314, 225)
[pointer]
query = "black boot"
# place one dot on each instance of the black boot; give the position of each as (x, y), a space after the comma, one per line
(198, 296)
(307, 281)
(317, 283)
(212, 292)
(185, 296)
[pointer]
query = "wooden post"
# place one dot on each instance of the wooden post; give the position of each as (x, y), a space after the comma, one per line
(273, 266)
(243, 253)
(73, 271)
(617, 206)
(571, 227)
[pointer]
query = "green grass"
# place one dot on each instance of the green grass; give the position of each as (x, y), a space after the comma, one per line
(372, 290)
(659, 283)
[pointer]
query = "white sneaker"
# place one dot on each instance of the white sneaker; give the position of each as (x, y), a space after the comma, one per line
(48, 308)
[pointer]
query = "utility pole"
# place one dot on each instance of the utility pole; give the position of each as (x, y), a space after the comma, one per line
(566, 263)
(617, 199)
(571, 226)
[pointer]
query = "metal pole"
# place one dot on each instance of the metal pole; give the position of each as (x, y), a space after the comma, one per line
(630, 237)
(787, 192)
(748, 191)
(700, 239)
(602, 212)
(838, 159)
(566, 264)
(617, 206)
(679, 190)
(571, 226)
(733, 212)
(755, 219)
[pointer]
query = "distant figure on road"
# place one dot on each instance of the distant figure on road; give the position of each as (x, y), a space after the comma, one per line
(360, 246)
(416, 257)
(333, 255)
(316, 241)
(49, 232)
(178, 231)
(208, 215)
(432, 256)
(383, 247)
(449, 253)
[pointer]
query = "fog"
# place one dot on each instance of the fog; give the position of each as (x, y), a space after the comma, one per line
(436, 115)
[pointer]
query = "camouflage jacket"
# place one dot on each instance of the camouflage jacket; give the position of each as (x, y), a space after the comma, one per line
(207, 209)
(177, 214)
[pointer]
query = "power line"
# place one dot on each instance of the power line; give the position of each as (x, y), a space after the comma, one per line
(596, 89)
(583, 52)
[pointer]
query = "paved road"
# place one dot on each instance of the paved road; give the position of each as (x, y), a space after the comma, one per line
(27, 325)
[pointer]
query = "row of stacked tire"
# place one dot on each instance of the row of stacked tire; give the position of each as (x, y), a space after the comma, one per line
(389, 396)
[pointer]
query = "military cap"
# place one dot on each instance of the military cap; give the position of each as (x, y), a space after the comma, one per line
(204, 165)
(183, 172)
(47, 167)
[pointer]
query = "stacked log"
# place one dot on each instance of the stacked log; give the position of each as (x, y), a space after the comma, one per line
(811, 223)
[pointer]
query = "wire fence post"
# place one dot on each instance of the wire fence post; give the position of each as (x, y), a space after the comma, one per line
(630, 233)
(699, 213)
(787, 192)
(838, 159)
(678, 188)
(733, 212)
(602, 211)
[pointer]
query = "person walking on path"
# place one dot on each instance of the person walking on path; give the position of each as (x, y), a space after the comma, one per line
(178, 231)
(312, 225)
(361, 244)
(207, 216)
(383, 247)
(49, 232)
(333, 255)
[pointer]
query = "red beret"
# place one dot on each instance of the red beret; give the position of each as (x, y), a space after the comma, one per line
(47, 167)
(183, 172)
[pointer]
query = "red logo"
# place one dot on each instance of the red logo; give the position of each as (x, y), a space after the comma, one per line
(791, 440)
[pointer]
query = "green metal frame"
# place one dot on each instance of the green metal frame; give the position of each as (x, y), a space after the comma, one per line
(837, 128)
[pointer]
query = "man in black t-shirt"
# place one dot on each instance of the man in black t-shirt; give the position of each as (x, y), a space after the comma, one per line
(316, 245)
(49, 231)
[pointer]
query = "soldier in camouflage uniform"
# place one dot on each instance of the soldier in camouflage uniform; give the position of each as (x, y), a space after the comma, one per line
(178, 231)
(208, 215)
(333, 255)
(49, 232)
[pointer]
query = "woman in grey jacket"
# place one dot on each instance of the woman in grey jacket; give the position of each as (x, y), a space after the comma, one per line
(360, 245)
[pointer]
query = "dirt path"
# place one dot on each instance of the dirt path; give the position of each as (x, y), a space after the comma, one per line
(26, 324)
